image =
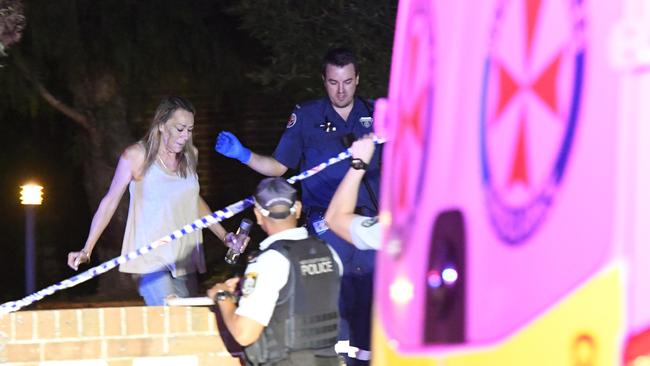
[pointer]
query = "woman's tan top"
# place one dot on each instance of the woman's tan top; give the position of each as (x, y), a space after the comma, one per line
(160, 203)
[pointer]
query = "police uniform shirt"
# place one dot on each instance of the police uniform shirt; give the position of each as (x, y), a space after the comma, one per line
(266, 275)
(315, 133)
(365, 232)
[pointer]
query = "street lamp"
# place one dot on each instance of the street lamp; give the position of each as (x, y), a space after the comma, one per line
(31, 195)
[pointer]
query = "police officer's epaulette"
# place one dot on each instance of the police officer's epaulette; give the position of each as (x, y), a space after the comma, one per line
(252, 256)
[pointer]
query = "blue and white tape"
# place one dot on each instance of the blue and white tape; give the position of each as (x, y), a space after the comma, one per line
(201, 223)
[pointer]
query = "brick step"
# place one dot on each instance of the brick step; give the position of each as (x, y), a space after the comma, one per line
(118, 336)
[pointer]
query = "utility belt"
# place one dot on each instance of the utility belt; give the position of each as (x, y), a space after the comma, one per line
(315, 217)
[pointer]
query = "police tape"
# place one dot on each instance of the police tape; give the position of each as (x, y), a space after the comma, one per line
(201, 223)
(333, 160)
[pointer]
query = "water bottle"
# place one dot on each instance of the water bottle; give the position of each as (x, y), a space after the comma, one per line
(237, 242)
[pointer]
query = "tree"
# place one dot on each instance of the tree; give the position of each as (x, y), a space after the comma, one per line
(297, 33)
(12, 23)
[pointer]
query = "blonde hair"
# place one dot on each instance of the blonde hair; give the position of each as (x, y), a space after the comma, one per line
(187, 158)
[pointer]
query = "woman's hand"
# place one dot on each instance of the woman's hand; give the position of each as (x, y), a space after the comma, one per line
(77, 258)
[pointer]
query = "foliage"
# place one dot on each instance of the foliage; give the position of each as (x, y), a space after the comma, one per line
(147, 45)
(12, 23)
(297, 33)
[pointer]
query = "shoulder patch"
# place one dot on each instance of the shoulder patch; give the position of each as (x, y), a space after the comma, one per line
(250, 280)
(366, 121)
(292, 120)
(369, 221)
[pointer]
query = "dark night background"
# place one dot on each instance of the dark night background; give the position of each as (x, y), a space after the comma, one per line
(85, 77)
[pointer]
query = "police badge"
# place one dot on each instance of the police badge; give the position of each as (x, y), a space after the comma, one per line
(292, 120)
(366, 121)
(250, 281)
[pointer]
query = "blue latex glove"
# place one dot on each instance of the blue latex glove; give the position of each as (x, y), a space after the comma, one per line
(227, 144)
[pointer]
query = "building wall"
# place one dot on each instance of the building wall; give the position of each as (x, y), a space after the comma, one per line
(119, 336)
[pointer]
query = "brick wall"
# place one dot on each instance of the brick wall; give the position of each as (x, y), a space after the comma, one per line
(120, 336)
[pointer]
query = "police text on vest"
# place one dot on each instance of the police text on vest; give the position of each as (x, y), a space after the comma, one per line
(316, 266)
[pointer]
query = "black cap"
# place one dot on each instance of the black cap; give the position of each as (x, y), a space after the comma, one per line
(274, 194)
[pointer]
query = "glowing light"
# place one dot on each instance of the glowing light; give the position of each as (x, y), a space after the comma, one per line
(433, 279)
(401, 291)
(584, 350)
(449, 275)
(31, 194)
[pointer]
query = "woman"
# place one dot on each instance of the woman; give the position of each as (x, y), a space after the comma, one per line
(160, 171)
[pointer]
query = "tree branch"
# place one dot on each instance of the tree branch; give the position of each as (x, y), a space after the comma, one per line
(76, 116)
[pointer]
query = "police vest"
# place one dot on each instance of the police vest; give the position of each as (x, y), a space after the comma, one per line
(305, 317)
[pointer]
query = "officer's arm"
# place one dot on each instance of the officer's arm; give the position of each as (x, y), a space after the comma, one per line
(229, 145)
(266, 165)
(244, 330)
(340, 213)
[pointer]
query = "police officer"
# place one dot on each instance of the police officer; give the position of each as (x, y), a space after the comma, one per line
(316, 131)
(288, 310)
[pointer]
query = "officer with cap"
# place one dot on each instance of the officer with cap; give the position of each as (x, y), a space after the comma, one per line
(316, 131)
(287, 313)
